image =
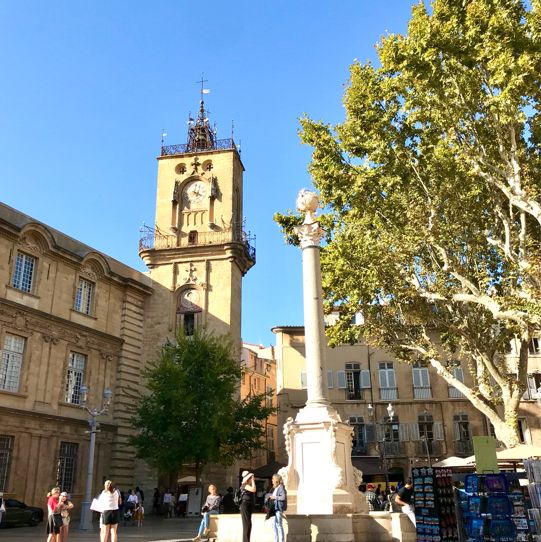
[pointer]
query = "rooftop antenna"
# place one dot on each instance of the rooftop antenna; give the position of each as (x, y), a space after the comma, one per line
(164, 135)
(232, 130)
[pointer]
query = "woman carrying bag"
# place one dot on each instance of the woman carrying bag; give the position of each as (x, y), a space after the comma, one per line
(278, 498)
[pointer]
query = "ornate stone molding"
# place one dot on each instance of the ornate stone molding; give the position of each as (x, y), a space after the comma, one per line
(28, 246)
(310, 235)
(88, 273)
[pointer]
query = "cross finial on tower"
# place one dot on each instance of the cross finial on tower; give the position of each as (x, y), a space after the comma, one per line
(203, 89)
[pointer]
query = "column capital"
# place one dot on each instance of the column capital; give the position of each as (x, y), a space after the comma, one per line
(310, 235)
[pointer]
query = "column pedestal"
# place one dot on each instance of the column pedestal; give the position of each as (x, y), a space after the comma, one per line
(319, 477)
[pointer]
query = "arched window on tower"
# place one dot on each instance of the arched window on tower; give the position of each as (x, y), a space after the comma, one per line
(192, 237)
(188, 311)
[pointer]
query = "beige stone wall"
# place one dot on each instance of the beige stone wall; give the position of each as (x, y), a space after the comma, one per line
(36, 416)
(290, 352)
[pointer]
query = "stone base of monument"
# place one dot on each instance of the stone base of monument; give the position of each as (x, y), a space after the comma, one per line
(380, 526)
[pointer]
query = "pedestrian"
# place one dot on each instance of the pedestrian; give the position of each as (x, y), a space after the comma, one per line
(54, 518)
(228, 503)
(404, 498)
(132, 501)
(156, 502)
(2, 506)
(139, 514)
(248, 489)
(211, 506)
(65, 506)
(279, 499)
(167, 503)
(371, 498)
(140, 494)
(110, 500)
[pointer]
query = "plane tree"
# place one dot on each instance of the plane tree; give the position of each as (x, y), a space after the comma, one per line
(432, 195)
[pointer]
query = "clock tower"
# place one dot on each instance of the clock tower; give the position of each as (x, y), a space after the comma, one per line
(198, 250)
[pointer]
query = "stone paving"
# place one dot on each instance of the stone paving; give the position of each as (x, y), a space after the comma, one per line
(153, 530)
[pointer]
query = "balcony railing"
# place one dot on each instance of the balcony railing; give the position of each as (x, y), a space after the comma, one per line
(393, 448)
(155, 239)
(463, 447)
(435, 448)
(219, 145)
(422, 393)
(388, 394)
(359, 449)
(454, 393)
(354, 395)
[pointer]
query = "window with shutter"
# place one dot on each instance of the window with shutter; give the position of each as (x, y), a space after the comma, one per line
(370, 433)
(403, 434)
(303, 380)
(365, 379)
(414, 431)
(341, 379)
(330, 379)
(438, 431)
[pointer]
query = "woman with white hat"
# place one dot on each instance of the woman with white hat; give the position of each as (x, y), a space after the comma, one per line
(248, 490)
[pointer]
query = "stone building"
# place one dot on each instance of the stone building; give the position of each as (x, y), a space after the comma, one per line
(68, 314)
(431, 420)
(259, 376)
(71, 315)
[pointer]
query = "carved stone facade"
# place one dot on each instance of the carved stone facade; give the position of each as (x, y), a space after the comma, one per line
(61, 302)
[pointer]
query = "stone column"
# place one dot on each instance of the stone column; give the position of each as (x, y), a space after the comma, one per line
(319, 477)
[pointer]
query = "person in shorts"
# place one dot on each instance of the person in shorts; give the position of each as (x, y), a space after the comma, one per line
(110, 500)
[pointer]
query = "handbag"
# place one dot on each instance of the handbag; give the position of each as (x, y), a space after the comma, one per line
(205, 509)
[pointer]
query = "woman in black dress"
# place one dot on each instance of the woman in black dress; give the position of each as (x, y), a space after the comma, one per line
(248, 489)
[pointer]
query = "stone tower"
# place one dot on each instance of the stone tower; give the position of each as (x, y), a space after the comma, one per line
(198, 251)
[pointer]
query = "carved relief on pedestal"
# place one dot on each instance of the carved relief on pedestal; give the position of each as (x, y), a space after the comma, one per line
(288, 473)
(338, 471)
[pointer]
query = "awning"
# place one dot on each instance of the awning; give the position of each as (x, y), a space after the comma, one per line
(266, 471)
(369, 465)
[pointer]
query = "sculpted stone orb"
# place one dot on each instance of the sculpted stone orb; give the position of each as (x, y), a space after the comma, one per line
(308, 202)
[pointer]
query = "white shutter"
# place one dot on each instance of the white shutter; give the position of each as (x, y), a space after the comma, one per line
(403, 432)
(414, 431)
(330, 379)
(365, 379)
(438, 431)
(425, 378)
(416, 376)
(303, 380)
(383, 383)
(391, 378)
(341, 379)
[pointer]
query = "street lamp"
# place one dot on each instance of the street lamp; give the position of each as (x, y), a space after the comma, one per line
(371, 414)
(86, 514)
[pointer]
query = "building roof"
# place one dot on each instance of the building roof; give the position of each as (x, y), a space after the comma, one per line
(17, 221)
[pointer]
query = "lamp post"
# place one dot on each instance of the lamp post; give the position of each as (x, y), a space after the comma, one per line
(86, 514)
(371, 414)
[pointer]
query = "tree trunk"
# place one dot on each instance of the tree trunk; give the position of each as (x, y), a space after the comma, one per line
(507, 430)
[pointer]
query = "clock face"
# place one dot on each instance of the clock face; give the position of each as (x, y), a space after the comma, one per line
(195, 193)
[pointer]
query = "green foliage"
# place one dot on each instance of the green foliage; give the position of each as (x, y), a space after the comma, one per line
(191, 413)
(433, 186)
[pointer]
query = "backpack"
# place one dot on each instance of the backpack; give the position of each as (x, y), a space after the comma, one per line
(237, 497)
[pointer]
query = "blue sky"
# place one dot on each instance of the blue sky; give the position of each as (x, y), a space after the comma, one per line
(88, 86)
